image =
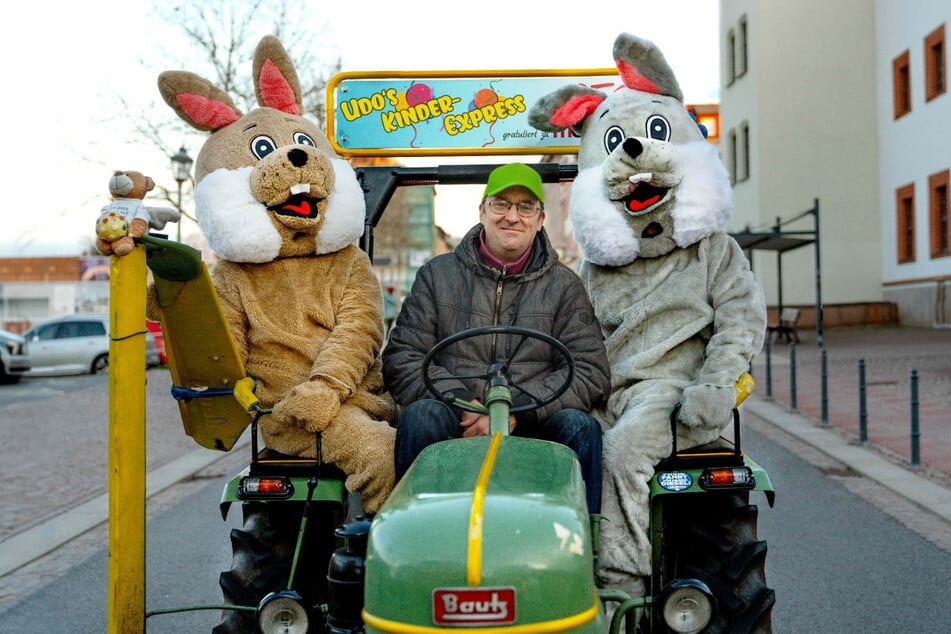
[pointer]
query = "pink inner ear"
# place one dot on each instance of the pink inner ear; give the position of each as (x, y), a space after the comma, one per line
(575, 110)
(276, 92)
(634, 79)
(206, 113)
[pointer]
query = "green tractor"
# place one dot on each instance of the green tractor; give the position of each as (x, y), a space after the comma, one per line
(487, 534)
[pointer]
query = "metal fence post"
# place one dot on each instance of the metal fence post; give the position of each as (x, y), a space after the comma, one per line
(824, 386)
(792, 375)
(915, 433)
(863, 412)
(769, 371)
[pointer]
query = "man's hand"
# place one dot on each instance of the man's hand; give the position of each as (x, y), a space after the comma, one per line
(475, 424)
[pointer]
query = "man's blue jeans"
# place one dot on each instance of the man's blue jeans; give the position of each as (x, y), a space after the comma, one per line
(428, 421)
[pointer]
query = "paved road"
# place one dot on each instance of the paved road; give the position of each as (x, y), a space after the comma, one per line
(54, 457)
(55, 435)
(820, 534)
(53, 470)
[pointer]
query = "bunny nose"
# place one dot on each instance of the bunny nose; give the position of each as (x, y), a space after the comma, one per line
(633, 147)
(297, 157)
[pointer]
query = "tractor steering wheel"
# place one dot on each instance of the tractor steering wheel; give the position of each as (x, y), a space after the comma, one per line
(498, 372)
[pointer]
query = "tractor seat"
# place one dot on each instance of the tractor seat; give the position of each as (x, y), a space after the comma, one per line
(271, 462)
(718, 453)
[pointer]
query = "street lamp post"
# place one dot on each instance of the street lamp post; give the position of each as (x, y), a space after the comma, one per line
(181, 171)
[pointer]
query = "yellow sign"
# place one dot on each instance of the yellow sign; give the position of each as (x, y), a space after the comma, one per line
(434, 113)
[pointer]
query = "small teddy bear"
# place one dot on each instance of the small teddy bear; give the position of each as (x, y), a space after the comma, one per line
(126, 217)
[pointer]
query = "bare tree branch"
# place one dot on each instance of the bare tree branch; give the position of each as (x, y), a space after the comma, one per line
(219, 37)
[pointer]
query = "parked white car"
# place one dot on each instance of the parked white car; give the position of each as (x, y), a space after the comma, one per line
(76, 344)
(14, 361)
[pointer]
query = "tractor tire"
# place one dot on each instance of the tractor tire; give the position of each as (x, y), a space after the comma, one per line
(262, 554)
(713, 538)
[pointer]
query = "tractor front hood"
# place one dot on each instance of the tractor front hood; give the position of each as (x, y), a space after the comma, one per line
(483, 533)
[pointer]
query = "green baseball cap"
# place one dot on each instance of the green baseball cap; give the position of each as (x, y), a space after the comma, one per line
(514, 175)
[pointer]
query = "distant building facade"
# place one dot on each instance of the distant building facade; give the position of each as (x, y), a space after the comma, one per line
(842, 103)
(35, 288)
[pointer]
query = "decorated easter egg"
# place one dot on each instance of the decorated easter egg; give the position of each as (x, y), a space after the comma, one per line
(111, 226)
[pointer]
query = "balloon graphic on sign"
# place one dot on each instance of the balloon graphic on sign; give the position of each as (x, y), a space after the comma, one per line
(418, 93)
(485, 97)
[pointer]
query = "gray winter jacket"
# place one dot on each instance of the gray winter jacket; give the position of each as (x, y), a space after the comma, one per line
(456, 291)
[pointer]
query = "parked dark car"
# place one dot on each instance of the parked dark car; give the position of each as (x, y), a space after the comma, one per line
(76, 344)
(14, 361)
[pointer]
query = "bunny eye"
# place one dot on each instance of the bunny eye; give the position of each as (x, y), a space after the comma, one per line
(658, 128)
(613, 137)
(302, 139)
(262, 145)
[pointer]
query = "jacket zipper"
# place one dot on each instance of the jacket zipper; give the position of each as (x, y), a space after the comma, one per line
(498, 305)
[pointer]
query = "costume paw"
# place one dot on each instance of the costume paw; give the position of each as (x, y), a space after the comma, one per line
(707, 406)
(311, 405)
(378, 406)
(376, 480)
(363, 448)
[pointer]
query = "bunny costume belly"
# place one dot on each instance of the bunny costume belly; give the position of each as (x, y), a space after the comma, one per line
(689, 318)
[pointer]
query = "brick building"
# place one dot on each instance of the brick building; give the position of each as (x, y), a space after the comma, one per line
(35, 288)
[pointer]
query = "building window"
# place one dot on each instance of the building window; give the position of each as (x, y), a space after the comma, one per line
(741, 58)
(730, 57)
(901, 84)
(936, 66)
(733, 152)
(938, 214)
(905, 223)
(743, 160)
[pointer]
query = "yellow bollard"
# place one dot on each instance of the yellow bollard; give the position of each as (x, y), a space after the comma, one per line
(126, 592)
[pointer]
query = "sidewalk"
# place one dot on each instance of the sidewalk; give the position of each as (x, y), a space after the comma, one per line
(890, 355)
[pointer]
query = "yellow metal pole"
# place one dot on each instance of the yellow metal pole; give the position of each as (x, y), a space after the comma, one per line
(126, 596)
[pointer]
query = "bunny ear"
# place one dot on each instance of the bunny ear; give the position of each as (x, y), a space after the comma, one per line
(644, 68)
(199, 103)
(275, 79)
(566, 107)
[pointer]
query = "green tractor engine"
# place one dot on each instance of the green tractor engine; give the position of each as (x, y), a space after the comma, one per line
(488, 532)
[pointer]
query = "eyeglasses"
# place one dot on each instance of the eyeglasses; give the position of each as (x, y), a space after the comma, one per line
(501, 207)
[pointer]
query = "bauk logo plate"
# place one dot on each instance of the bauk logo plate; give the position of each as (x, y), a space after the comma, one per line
(473, 606)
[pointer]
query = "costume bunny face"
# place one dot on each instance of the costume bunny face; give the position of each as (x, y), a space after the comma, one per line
(647, 180)
(268, 183)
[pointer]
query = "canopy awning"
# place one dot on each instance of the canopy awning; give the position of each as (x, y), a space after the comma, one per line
(779, 242)
(773, 241)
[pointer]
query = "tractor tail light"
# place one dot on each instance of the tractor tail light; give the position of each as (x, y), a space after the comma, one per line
(265, 488)
(728, 478)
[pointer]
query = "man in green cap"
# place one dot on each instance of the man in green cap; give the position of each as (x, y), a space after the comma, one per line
(504, 272)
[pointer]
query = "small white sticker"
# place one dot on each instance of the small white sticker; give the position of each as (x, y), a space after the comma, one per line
(674, 480)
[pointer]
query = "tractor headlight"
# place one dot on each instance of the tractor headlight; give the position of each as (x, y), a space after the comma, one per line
(688, 606)
(283, 613)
